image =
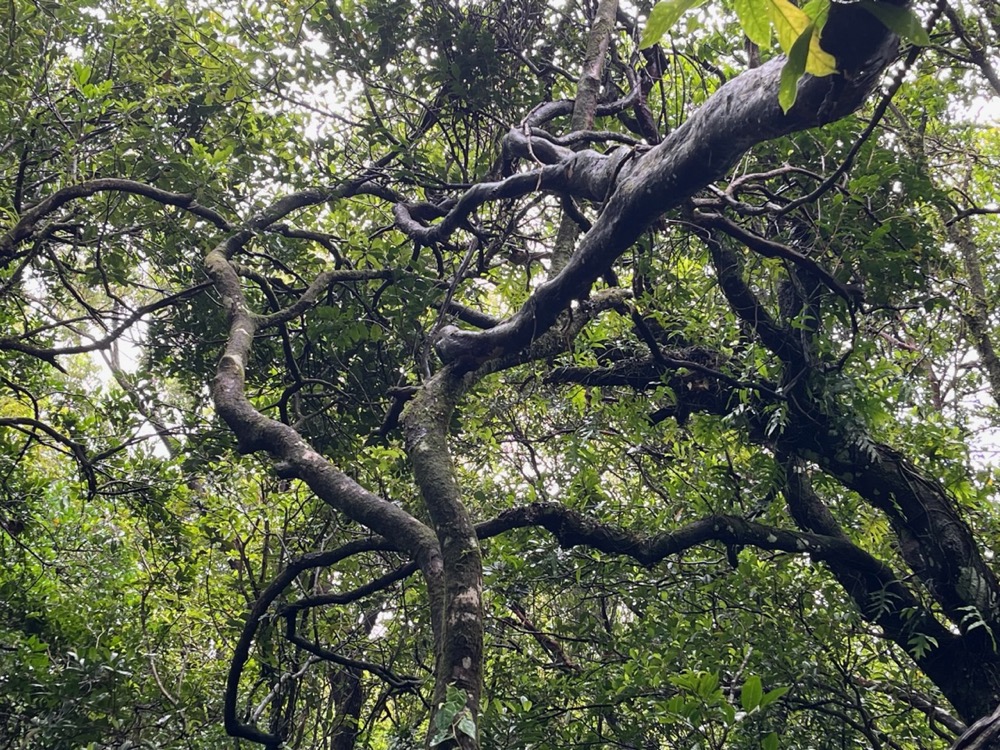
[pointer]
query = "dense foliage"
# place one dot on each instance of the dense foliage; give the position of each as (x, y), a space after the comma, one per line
(385, 374)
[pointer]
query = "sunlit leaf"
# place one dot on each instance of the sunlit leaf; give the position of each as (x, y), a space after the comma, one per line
(662, 18)
(817, 10)
(793, 70)
(755, 20)
(790, 24)
(751, 693)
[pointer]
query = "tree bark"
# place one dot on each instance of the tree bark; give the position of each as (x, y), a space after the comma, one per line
(458, 611)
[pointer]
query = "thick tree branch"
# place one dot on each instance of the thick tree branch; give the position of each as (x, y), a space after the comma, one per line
(921, 702)
(741, 114)
(456, 608)
(585, 174)
(934, 538)
(258, 614)
(559, 339)
(584, 109)
(256, 432)
(49, 354)
(983, 735)
(25, 226)
(880, 595)
(743, 301)
(573, 529)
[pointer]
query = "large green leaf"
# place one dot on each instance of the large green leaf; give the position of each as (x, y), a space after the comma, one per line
(790, 24)
(755, 20)
(662, 18)
(902, 21)
(793, 69)
(751, 693)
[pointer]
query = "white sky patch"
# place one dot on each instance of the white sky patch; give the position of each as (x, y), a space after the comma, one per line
(985, 110)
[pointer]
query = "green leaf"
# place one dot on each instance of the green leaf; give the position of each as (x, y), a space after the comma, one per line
(793, 69)
(663, 16)
(751, 694)
(754, 19)
(920, 645)
(82, 74)
(901, 21)
(791, 24)
(452, 715)
(770, 742)
(466, 725)
(707, 684)
(772, 695)
(817, 10)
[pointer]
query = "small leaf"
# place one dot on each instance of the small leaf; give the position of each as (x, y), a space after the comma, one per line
(819, 62)
(793, 69)
(755, 21)
(663, 16)
(770, 742)
(466, 725)
(901, 21)
(817, 10)
(751, 694)
(790, 24)
(772, 695)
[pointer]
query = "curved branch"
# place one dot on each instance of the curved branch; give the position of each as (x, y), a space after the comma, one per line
(771, 249)
(739, 115)
(548, 111)
(30, 218)
(296, 458)
(934, 539)
(49, 354)
(31, 427)
(983, 735)
(400, 683)
(574, 529)
(743, 301)
(278, 210)
(241, 653)
(880, 596)
(920, 702)
(559, 339)
(876, 118)
(379, 584)
(585, 174)
(308, 298)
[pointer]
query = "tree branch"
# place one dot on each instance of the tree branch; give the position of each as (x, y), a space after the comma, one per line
(30, 218)
(698, 152)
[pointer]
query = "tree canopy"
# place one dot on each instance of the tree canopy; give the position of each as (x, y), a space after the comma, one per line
(499, 374)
